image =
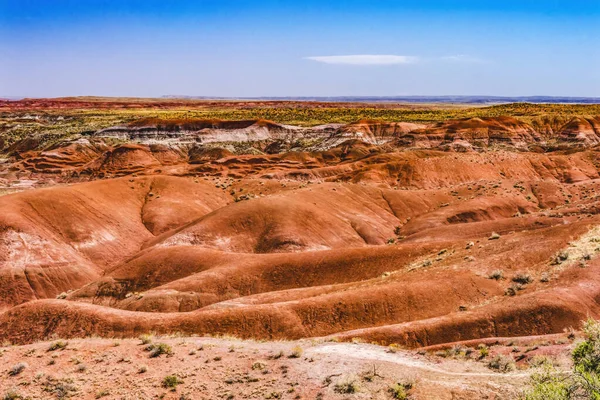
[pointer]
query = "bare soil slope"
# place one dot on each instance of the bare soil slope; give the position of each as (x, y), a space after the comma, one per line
(393, 232)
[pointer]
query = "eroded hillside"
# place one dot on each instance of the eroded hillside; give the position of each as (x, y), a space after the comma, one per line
(416, 233)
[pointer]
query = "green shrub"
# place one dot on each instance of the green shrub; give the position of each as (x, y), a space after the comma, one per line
(400, 390)
(146, 338)
(483, 351)
(548, 384)
(171, 382)
(584, 380)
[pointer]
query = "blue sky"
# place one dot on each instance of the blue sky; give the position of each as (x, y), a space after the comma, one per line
(299, 48)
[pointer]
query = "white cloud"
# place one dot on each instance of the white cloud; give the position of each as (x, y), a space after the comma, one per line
(366, 59)
(462, 58)
(389, 59)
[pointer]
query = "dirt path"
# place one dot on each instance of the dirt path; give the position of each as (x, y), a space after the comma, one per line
(376, 353)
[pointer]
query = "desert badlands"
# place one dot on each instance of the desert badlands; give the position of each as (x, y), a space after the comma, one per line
(294, 250)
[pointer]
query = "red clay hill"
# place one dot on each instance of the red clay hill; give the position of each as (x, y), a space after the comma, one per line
(391, 232)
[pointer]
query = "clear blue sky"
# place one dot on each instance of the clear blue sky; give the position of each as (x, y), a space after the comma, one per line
(299, 48)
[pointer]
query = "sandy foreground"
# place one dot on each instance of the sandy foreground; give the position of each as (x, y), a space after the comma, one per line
(210, 368)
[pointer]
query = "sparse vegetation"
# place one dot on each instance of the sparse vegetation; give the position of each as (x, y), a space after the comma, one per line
(483, 351)
(297, 352)
(171, 382)
(411, 291)
(102, 393)
(583, 382)
(258, 365)
(347, 385)
(539, 361)
(522, 278)
(496, 275)
(12, 395)
(58, 345)
(494, 236)
(67, 122)
(502, 363)
(17, 369)
(146, 338)
(393, 348)
(400, 390)
(561, 257)
(61, 388)
(513, 289)
(158, 349)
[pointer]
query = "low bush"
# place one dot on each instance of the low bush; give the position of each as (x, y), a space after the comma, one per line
(171, 382)
(158, 349)
(58, 345)
(502, 363)
(17, 369)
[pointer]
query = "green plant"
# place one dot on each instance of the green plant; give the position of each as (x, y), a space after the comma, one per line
(483, 351)
(400, 390)
(584, 380)
(146, 338)
(549, 384)
(171, 382)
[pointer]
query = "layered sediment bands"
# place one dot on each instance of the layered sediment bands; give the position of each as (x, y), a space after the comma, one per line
(182, 145)
(390, 232)
(54, 240)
